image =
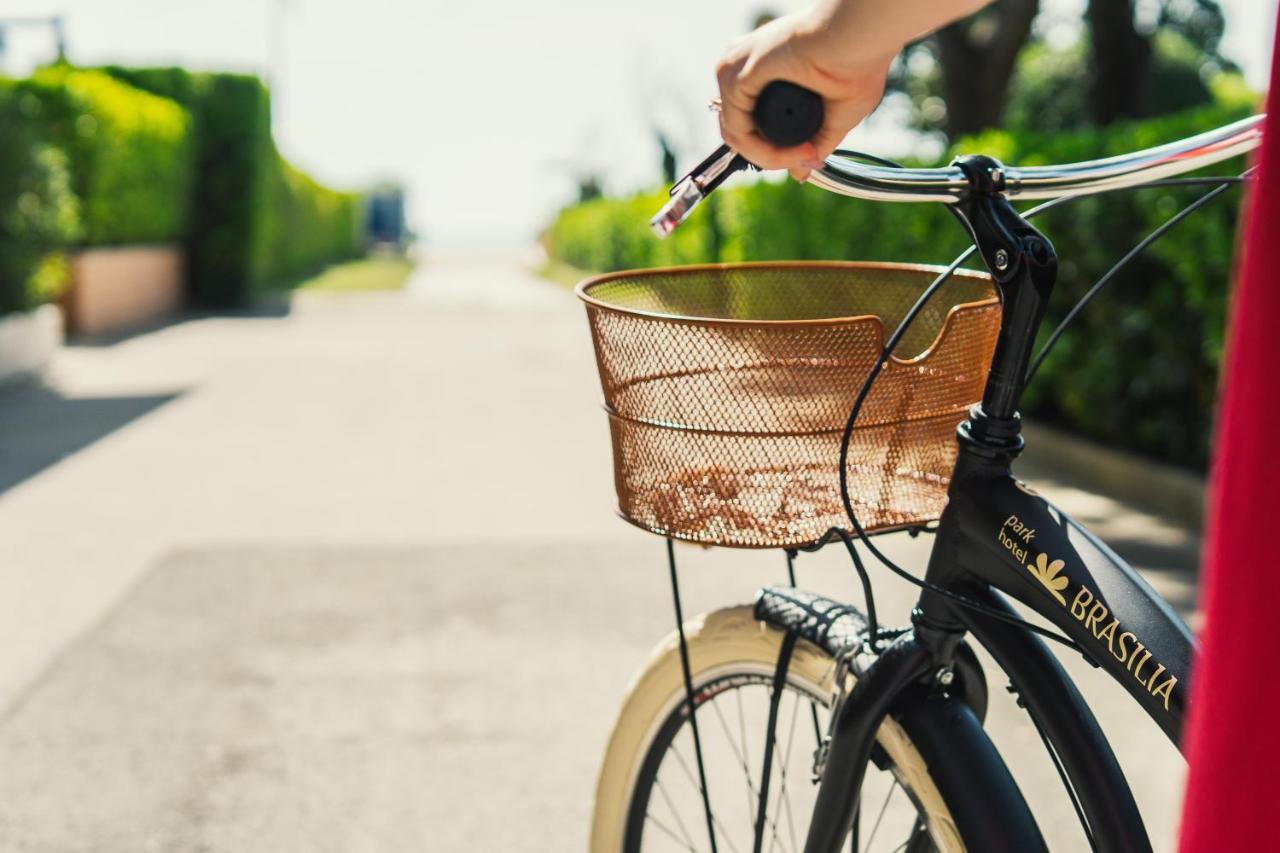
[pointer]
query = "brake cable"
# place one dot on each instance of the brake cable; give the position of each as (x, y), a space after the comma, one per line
(1221, 184)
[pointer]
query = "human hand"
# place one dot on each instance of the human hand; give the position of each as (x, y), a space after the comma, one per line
(810, 50)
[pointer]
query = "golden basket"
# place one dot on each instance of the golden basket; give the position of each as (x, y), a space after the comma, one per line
(728, 387)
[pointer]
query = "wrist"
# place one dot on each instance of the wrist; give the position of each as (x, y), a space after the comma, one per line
(851, 36)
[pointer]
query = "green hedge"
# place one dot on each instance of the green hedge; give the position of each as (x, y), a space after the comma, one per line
(304, 226)
(256, 222)
(129, 153)
(1138, 370)
(232, 117)
(39, 213)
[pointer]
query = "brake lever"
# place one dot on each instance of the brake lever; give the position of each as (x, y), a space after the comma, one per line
(690, 190)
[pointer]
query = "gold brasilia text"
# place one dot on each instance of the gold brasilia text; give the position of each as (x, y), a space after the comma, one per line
(1124, 646)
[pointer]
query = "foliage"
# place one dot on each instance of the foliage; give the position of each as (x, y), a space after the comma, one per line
(302, 225)
(257, 221)
(958, 78)
(1046, 93)
(1179, 75)
(232, 119)
(1201, 24)
(129, 153)
(119, 156)
(39, 214)
(1138, 369)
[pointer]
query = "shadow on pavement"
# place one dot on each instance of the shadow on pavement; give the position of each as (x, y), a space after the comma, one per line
(40, 426)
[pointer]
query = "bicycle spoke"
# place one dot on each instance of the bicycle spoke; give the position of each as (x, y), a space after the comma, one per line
(786, 753)
(883, 806)
(722, 832)
(775, 694)
(741, 759)
(653, 820)
(775, 819)
(746, 750)
(662, 789)
(784, 802)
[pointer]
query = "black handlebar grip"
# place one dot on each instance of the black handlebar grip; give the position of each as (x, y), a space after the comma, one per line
(788, 115)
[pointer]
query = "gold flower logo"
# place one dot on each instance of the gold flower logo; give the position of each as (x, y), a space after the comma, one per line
(1048, 574)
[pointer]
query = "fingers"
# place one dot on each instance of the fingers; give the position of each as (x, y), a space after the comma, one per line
(738, 126)
(742, 137)
(801, 173)
(736, 105)
(844, 114)
(830, 137)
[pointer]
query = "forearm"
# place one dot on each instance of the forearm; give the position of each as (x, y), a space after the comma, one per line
(877, 28)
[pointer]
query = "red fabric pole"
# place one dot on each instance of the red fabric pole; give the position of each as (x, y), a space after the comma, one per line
(1233, 742)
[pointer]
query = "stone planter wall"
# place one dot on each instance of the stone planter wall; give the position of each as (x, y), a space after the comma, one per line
(118, 289)
(27, 342)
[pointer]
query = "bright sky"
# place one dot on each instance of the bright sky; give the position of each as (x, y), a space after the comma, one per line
(484, 110)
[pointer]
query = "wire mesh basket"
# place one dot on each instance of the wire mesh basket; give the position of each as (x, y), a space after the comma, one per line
(728, 387)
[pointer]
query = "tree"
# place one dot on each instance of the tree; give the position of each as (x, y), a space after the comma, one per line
(1121, 61)
(589, 187)
(669, 168)
(1046, 94)
(965, 78)
(977, 57)
(1135, 73)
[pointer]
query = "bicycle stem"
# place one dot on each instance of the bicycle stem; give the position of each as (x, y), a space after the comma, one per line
(1023, 264)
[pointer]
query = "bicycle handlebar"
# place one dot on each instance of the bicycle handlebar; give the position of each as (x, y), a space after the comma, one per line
(948, 183)
(787, 114)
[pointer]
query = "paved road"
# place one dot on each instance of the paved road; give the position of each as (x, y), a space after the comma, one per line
(348, 579)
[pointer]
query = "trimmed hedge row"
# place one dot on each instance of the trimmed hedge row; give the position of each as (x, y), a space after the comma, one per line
(116, 156)
(256, 220)
(303, 226)
(232, 117)
(39, 213)
(1138, 370)
(129, 153)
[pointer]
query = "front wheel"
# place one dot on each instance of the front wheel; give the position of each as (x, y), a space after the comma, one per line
(648, 796)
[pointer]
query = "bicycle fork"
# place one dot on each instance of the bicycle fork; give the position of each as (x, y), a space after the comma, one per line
(1023, 265)
(905, 663)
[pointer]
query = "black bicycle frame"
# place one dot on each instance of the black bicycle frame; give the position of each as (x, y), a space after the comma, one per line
(997, 535)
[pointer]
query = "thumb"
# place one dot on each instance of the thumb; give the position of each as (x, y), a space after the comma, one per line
(829, 138)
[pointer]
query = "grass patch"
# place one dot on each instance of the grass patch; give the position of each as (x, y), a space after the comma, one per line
(364, 275)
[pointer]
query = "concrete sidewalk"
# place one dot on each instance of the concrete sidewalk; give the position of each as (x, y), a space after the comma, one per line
(350, 579)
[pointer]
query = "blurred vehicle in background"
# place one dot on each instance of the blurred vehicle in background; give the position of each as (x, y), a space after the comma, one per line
(384, 220)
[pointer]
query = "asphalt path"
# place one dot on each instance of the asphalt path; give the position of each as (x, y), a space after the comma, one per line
(348, 578)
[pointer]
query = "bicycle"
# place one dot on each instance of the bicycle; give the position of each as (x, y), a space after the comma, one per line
(722, 385)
